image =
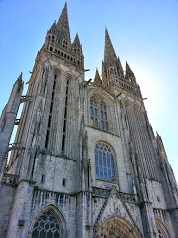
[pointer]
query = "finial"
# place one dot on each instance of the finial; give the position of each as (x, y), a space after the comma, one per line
(19, 79)
(20, 76)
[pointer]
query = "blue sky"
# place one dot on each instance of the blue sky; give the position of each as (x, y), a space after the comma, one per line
(143, 32)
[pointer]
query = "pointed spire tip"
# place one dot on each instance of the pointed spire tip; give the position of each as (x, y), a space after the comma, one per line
(63, 23)
(20, 76)
(109, 51)
(97, 79)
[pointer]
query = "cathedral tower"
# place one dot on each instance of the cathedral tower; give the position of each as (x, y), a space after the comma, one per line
(86, 163)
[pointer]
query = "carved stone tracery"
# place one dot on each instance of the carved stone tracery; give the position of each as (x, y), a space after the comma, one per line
(116, 227)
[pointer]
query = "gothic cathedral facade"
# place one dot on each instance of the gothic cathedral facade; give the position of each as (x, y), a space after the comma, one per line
(85, 162)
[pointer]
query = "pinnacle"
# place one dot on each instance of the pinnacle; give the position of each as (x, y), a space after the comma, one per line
(53, 26)
(20, 77)
(97, 79)
(63, 23)
(119, 65)
(76, 40)
(129, 72)
(108, 49)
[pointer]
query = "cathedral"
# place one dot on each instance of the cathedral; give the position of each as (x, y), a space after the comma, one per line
(85, 162)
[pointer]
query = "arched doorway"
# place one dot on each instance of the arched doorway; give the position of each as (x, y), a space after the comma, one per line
(116, 227)
(49, 224)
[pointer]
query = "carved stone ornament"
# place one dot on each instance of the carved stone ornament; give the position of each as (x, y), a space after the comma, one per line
(116, 227)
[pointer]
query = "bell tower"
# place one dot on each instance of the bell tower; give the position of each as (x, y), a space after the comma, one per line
(54, 111)
(88, 164)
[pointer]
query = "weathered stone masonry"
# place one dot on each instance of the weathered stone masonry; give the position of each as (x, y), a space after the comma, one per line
(85, 162)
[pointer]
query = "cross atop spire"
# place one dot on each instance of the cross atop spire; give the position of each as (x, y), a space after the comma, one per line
(108, 48)
(63, 23)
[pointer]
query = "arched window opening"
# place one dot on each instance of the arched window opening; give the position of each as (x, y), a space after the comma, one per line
(98, 112)
(48, 225)
(51, 109)
(53, 39)
(65, 44)
(104, 162)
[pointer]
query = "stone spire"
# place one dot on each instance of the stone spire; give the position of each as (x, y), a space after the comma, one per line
(76, 46)
(77, 49)
(129, 75)
(111, 66)
(19, 79)
(97, 79)
(53, 28)
(109, 52)
(119, 68)
(63, 24)
(76, 41)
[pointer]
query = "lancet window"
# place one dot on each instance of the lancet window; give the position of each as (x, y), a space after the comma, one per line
(50, 113)
(98, 114)
(104, 162)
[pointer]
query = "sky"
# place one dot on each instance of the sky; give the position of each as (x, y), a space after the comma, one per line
(143, 32)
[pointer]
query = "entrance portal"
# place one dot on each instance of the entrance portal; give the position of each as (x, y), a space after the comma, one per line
(116, 227)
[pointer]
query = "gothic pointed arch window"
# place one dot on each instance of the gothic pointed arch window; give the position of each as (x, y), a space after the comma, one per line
(48, 225)
(104, 162)
(98, 114)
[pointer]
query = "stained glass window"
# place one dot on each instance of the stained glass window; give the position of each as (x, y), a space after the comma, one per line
(104, 162)
(98, 114)
(47, 226)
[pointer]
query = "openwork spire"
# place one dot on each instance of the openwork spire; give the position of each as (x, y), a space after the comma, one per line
(63, 23)
(109, 52)
(97, 79)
